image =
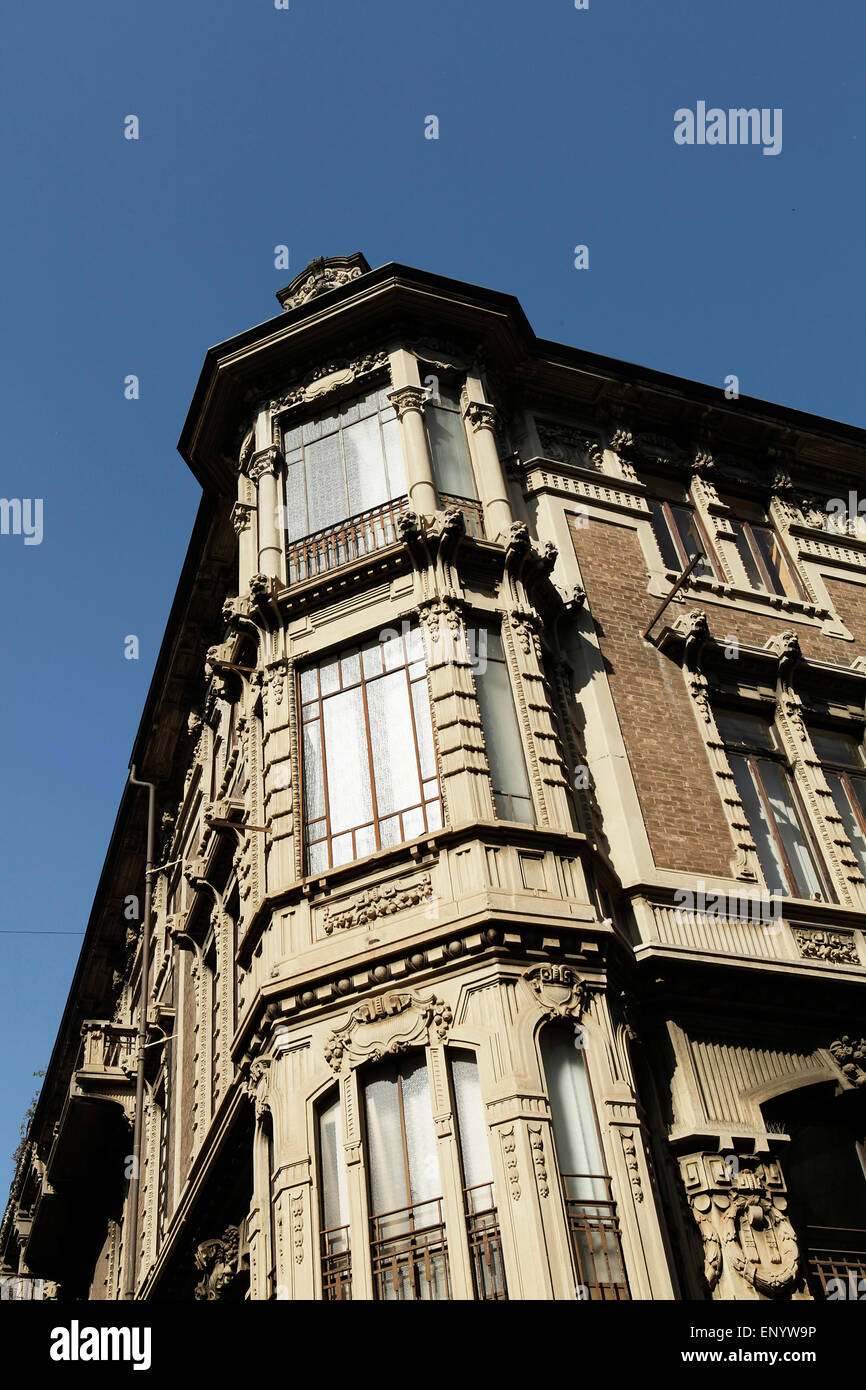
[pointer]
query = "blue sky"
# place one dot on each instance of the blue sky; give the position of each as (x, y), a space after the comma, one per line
(305, 127)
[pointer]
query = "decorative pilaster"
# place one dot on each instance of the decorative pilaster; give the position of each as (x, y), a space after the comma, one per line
(463, 766)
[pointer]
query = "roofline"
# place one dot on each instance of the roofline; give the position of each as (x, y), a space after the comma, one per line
(543, 348)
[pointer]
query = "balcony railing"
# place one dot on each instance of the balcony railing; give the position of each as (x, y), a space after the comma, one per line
(362, 534)
(485, 1243)
(837, 1262)
(473, 513)
(349, 539)
(106, 1047)
(595, 1237)
(410, 1254)
(336, 1265)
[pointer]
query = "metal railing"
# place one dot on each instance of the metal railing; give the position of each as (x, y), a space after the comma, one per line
(485, 1243)
(473, 513)
(349, 539)
(595, 1239)
(836, 1257)
(409, 1253)
(336, 1265)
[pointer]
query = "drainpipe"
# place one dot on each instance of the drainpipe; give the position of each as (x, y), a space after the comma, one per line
(135, 1179)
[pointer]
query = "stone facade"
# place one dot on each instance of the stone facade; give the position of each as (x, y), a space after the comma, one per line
(627, 1064)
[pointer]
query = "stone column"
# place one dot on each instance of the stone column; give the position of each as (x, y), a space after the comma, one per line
(459, 1262)
(265, 470)
(481, 421)
(408, 401)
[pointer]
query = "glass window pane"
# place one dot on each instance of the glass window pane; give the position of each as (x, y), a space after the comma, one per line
(413, 823)
(365, 841)
(424, 1177)
(691, 539)
(372, 658)
(768, 854)
(424, 728)
(574, 1128)
(296, 502)
(434, 815)
(326, 487)
(365, 466)
(314, 779)
(850, 820)
(351, 668)
(330, 676)
(753, 573)
(501, 731)
(335, 1196)
(309, 683)
(348, 764)
(389, 1181)
(397, 486)
(836, 748)
(449, 452)
(342, 849)
(778, 789)
(394, 763)
(389, 832)
(669, 553)
(784, 579)
(744, 730)
(474, 1148)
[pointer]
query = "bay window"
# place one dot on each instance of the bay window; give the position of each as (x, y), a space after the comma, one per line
(786, 851)
(370, 773)
(343, 466)
(592, 1220)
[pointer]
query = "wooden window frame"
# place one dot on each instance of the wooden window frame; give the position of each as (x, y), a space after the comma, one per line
(747, 529)
(666, 504)
(376, 819)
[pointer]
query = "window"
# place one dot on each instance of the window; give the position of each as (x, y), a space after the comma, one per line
(680, 538)
(342, 463)
(482, 1222)
(370, 775)
(335, 1243)
(843, 764)
(768, 569)
(511, 794)
(786, 853)
(589, 1205)
(446, 438)
(408, 1241)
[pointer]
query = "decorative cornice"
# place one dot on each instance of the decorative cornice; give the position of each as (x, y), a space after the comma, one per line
(322, 274)
(381, 901)
(387, 1024)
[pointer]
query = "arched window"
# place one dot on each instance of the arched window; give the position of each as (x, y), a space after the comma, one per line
(482, 1221)
(589, 1204)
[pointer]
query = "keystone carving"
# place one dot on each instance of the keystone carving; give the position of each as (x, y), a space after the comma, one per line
(740, 1206)
(389, 1024)
(559, 991)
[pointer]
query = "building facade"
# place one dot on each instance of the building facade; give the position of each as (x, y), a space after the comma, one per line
(484, 916)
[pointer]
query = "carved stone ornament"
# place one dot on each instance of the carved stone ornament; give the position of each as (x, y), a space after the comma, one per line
(218, 1262)
(740, 1206)
(381, 901)
(258, 1084)
(829, 946)
(389, 1024)
(328, 376)
(568, 444)
(481, 415)
(322, 274)
(558, 989)
(849, 1054)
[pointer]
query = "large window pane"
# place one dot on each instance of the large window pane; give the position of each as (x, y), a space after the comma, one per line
(574, 1126)
(769, 857)
(449, 451)
(474, 1148)
(511, 792)
(366, 727)
(802, 865)
(335, 1196)
(846, 808)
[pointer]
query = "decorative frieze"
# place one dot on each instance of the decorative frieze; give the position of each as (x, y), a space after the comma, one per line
(849, 1054)
(832, 947)
(383, 900)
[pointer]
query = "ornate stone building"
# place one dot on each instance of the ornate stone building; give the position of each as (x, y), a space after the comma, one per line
(479, 931)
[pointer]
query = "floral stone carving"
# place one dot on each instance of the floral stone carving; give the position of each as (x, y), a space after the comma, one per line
(386, 1025)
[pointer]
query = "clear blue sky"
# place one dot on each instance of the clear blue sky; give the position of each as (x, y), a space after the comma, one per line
(306, 127)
